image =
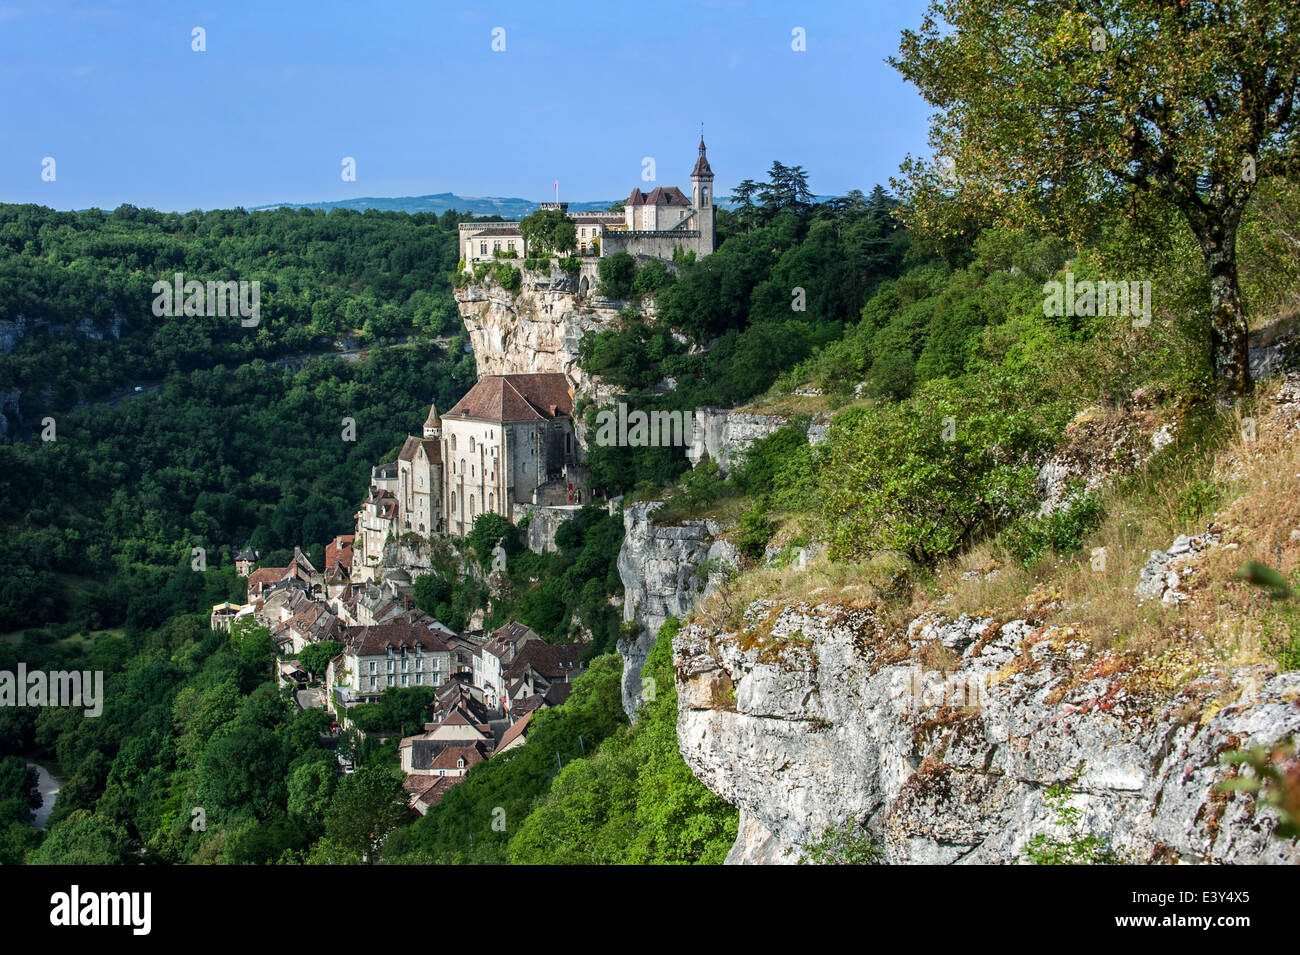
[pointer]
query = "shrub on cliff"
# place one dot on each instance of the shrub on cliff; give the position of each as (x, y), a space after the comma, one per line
(616, 274)
(924, 476)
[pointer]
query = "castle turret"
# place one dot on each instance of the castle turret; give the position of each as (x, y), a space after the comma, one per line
(702, 200)
(433, 424)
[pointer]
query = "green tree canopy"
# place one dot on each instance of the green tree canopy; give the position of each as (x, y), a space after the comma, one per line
(1061, 112)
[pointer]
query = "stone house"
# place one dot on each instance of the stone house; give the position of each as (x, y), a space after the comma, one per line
(376, 658)
(419, 479)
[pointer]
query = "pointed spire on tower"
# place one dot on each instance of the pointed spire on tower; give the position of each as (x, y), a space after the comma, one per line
(702, 170)
(433, 423)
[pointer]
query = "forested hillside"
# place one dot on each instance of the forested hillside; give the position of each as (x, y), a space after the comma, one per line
(226, 446)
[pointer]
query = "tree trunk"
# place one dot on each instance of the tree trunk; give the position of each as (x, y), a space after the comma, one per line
(1228, 330)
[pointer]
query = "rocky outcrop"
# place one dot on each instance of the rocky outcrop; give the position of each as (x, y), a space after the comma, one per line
(1101, 445)
(660, 567)
(810, 718)
(534, 330)
(1166, 570)
(540, 522)
(723, 434)
(14, 330)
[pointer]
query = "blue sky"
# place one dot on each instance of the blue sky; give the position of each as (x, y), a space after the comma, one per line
(414, 92)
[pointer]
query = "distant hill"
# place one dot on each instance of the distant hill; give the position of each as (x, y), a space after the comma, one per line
(440, 203)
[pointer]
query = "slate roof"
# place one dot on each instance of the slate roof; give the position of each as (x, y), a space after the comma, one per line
(552, 661)
(659, 196)
(433, 754)
(374, 640)
(504, 642)
(702, 170)
(498, 229)
(506, 399)
(432, 449)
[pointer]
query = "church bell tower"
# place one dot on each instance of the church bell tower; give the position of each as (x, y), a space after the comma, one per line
(702, 200)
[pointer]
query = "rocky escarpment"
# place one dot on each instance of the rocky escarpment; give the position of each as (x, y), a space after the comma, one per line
(533, 330)
(660, 565)
(809, 718)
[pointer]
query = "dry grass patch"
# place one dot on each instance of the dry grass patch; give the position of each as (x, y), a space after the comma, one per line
(791, 405)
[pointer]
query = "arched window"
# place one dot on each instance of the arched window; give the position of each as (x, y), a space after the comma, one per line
(492, 501)
(453, 442)
(471, 444)
(453, 502)
(471, 506)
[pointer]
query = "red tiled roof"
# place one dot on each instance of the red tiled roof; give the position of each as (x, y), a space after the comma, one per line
(339, 551)
(449, 757)
(266, 575)
(659, 196)
(433, 795)
(432, 450)
(516, 731)
(512, 398)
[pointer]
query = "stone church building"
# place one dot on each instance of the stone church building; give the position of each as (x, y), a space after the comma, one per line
(509, 441)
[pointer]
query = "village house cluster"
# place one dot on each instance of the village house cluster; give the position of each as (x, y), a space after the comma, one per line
(488, 685)
(508, 447)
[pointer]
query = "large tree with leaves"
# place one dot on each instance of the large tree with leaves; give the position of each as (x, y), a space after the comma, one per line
(1058, 111)
(547, 231)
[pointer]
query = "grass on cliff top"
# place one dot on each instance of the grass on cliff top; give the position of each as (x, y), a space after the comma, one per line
(1248, 489)
(1213, 473)
(790, 405)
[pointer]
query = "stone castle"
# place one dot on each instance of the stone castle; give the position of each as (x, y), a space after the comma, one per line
(652, 224)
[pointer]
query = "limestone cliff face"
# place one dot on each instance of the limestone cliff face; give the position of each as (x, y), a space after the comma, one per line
(534, 330)
(811, 717)
(659, 565)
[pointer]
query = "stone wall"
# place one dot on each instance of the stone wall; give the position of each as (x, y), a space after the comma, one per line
(658, 245)
(543, 522)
